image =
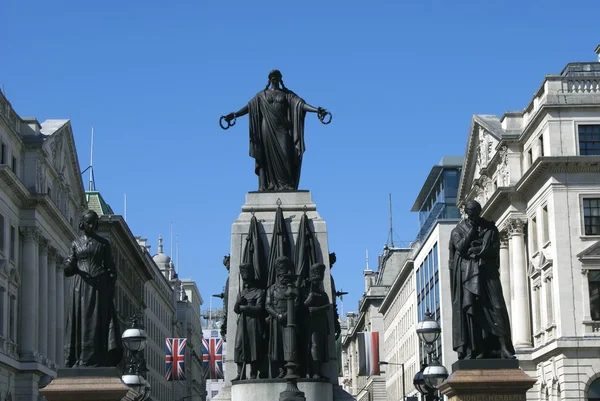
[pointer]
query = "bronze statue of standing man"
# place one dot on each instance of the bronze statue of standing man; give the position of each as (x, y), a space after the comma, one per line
(276, 117)
(480, 324)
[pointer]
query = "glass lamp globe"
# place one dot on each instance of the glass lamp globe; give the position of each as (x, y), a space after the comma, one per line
(419, 383)
(134, 338)
(435, 374)
(428, 329)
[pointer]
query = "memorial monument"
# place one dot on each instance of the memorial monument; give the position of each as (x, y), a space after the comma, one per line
(487, 368)
(280, 238)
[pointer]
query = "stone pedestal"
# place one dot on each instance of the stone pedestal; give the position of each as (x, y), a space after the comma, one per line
(264, 205)
(90, 384)
(487, 380)
(262, 390)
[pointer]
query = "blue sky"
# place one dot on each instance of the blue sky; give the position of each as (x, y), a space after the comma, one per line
(402, 79)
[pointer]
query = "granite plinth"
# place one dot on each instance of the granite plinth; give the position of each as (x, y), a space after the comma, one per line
(487, 380)
(94, 384)
(470, 364)
(270, 389)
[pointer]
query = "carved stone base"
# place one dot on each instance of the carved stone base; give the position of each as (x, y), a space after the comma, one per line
(487, 380)
(90, 384)
(277, 389)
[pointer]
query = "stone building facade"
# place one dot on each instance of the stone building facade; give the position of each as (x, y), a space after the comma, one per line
(536, 173)
(368, 318)
(41, 197)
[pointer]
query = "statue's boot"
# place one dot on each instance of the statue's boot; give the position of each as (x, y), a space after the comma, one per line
(504, 352)
(253, 370)
(239, 372)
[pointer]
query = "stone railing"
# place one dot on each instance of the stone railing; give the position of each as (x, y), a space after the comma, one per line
(583, 85)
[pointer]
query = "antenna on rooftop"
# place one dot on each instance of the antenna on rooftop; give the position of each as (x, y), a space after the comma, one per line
(92, 186)
(177, 268)
(367, 252)
(391, 238)
(125, 207)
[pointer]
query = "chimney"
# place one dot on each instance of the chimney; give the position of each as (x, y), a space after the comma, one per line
(597, 51)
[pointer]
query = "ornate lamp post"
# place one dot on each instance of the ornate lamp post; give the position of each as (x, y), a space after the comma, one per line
(291, 393)
(134, 339)
(432, 373)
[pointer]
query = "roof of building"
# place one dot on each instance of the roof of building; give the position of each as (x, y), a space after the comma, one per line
(49, 127)
(446, 162)
(96, 202)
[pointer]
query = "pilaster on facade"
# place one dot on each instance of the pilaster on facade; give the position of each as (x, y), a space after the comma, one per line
(30, 292)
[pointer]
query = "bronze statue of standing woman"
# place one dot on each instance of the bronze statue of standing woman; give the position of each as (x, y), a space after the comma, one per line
(276, 117)
(92, 335)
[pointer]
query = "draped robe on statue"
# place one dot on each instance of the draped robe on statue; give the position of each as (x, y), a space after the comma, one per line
(277, 138)
(479, 315)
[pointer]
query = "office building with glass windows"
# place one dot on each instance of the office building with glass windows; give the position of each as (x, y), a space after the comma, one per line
(423, 283)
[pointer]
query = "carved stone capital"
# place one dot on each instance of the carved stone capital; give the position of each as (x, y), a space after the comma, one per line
(52, 254)
(504, 239)
(43, 243)
(30, 233)
(516, 226)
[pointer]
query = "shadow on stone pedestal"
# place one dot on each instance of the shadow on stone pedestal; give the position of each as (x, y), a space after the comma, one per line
(270, 389)
(90, 384)
(487, 380)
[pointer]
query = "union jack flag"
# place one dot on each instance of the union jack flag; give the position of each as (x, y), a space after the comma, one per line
(212, 358)
(175, 358)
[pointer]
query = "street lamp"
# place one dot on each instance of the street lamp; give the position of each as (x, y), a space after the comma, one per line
(134, 339)
(433, 373)
(397, 364)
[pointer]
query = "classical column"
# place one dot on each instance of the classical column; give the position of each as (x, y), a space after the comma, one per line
(505, 271)
(521, 323)
(60, 312)
(43, 300)
(29, 295)
(51, 305)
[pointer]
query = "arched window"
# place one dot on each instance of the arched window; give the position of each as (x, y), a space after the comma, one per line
(594, 391)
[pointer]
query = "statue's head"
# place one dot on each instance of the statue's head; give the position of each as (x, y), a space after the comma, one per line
(89, 222)
(247, 272)
(283, 266)
(332, 259)
(473, 209)
(317, 272)
(275, 76)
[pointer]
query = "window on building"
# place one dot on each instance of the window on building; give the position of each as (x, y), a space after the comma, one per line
(533, 234)
(545, 223)
(594, 284)
(2, 228)
(591, 216)
(589, 140)
(529, 157)
(13, 244)
(594, 391)
(12, 312)
(541, 144)
(2, 313)
(2, 154)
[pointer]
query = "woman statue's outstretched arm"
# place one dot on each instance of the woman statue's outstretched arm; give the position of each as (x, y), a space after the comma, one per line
(241, 112)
